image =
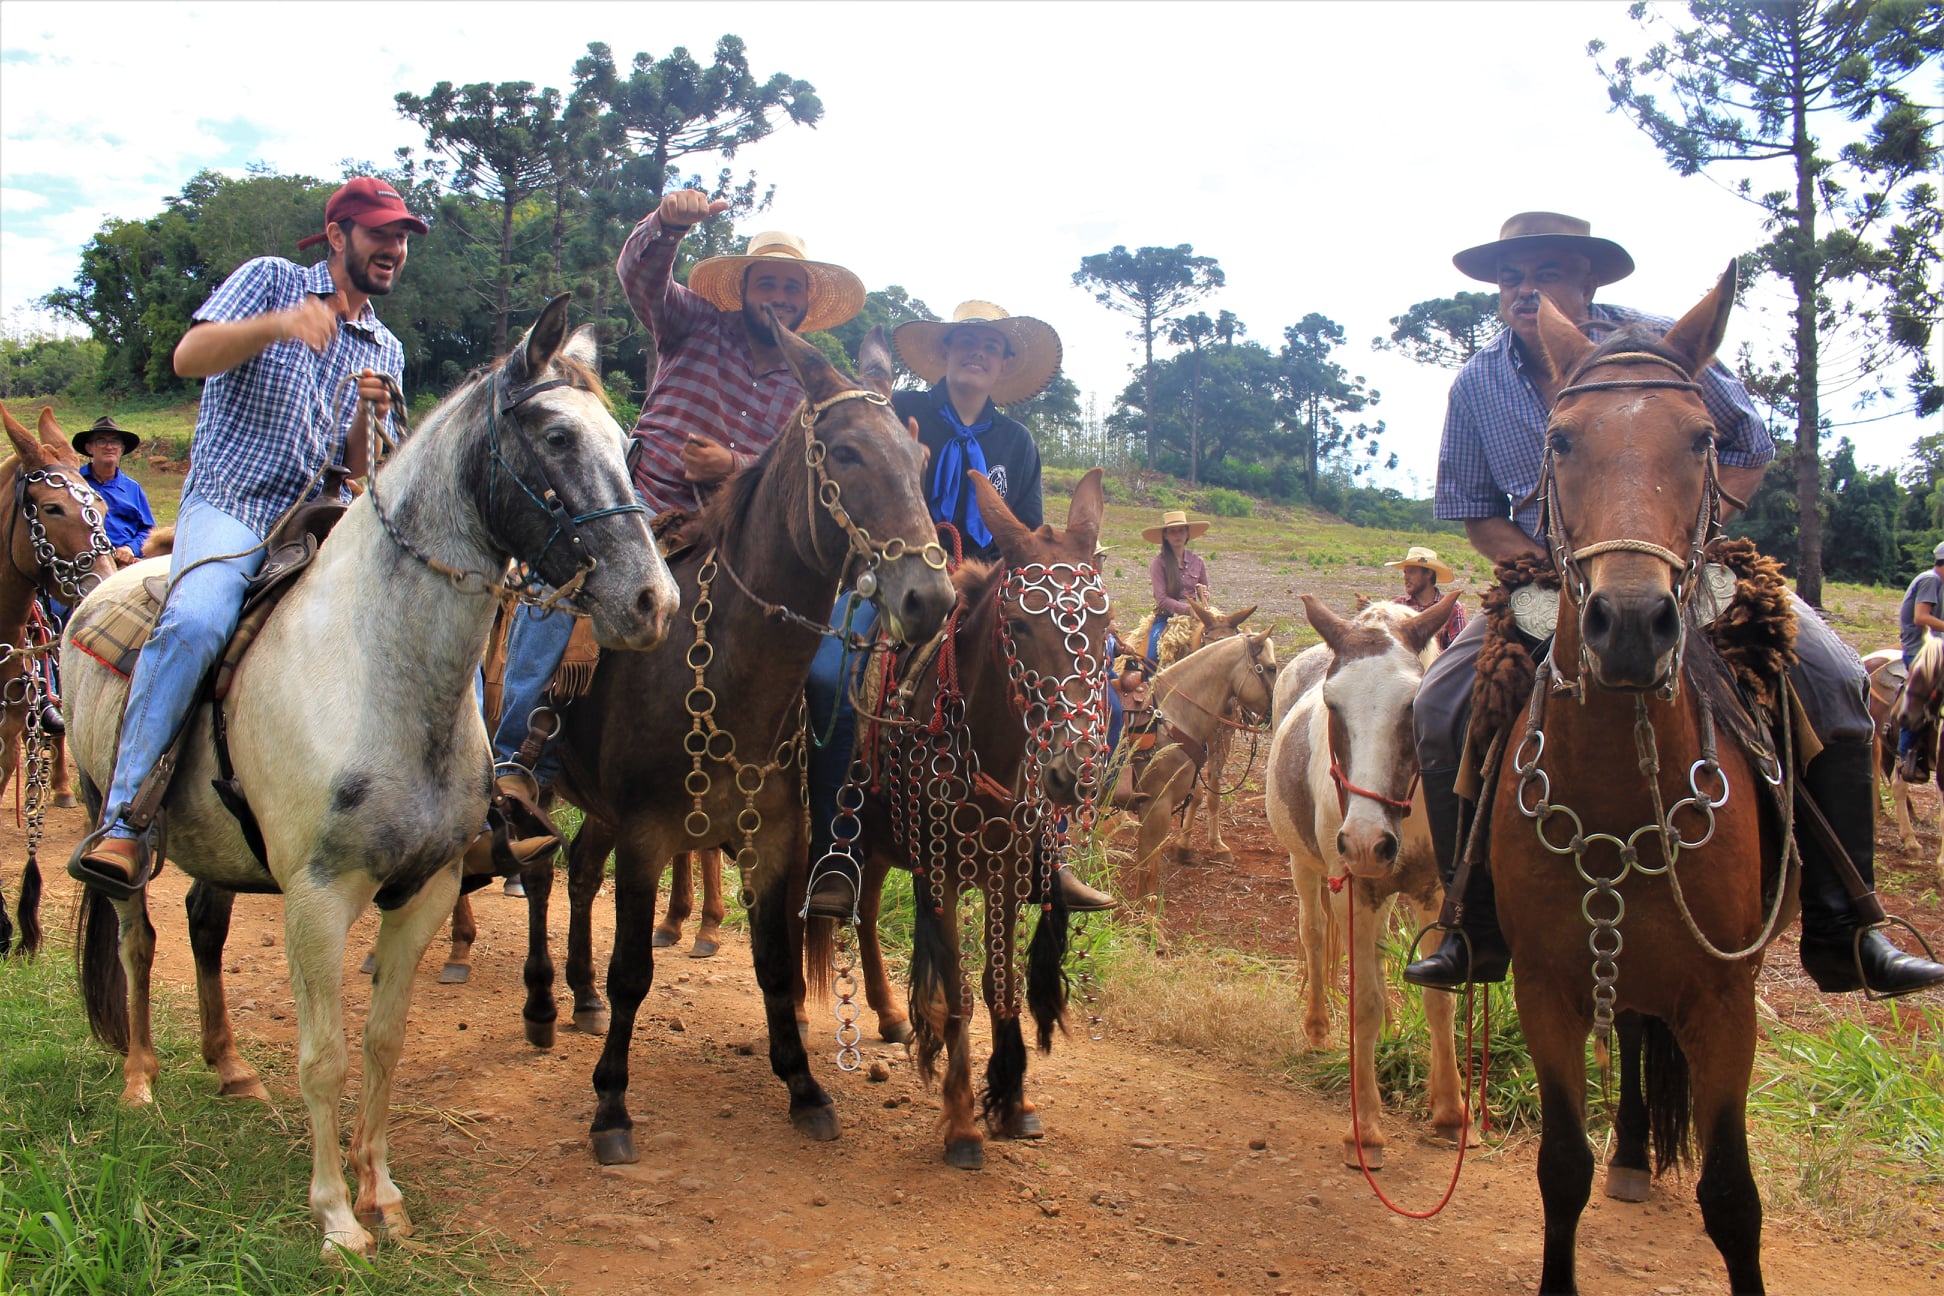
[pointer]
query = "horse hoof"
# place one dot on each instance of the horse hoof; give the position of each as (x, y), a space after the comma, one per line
(389, 1220)
(247, 1087)
(1628, 1185)
(455, 973)
(1456, 1134)
(1020, 1125)
(703, 948)
(591, 1021)
(966, 1154)
(540, 1034)
(514, 887)
(1373, 1155)
(349, 1242)
(615, 1147)
(897, 1032)
(663, 939)
(818, 1124)
(64, 801)
(370, 966)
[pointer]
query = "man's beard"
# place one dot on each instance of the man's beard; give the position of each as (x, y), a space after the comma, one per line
(358, 270)
(756, 319)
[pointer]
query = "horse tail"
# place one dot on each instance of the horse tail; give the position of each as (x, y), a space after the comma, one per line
(97, 960)
(1670, 1099)
(819, 959)
(29, 911)
(1046, 979)
(1005, 1086)
(932, 965)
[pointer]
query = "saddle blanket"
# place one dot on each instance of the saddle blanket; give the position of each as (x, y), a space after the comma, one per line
(113, 635)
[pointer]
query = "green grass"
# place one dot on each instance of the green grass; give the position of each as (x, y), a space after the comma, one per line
(192, 1195)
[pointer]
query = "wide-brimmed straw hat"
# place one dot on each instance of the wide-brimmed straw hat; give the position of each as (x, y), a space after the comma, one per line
(835, 293)
(1035, 349)
(1536, 231)
(105, 424)
(1173, 518)
(1419, 556)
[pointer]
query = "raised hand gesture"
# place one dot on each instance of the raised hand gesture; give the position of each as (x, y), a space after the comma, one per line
(685, 207)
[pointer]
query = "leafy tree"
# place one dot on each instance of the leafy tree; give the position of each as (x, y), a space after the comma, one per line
(1054, 416)
(1444, 331)
(1241, 411)
(1319, 392)
(1153, 285)
(888, 307)
(1855, 236)
(1863, 511)
(1194, 332)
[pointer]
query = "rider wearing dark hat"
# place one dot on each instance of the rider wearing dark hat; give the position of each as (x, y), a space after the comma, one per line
(1488, 464)
(129, 519)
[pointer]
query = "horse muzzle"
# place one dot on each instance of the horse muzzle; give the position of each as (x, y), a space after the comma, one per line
(913, 598)
(631, 598)
(1630, 637)
(1369, 849)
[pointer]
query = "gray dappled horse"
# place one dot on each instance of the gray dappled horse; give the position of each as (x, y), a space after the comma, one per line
(358, 739)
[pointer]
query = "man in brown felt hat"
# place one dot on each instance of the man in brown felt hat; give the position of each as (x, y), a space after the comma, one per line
(129, 518)
(1489, 461)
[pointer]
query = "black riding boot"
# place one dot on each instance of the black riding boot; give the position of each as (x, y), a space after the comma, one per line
(1841, 948)
(1471, 909)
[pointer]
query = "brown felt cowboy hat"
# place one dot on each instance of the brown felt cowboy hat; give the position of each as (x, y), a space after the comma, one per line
(1537, 231)
(1034, 358)
(105, 424)
(835, 293)
(1419, 556)
(1173, 518)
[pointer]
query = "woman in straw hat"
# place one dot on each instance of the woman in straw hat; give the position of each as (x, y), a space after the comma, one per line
(1422, 571)
(1177, 573)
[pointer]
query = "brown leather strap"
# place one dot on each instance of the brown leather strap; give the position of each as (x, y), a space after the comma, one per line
(1863, 898)
(1196, 749)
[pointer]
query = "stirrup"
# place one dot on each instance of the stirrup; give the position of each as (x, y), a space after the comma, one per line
(845, 867)
(110, 881)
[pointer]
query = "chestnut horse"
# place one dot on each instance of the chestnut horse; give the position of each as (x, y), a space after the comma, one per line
(1184, 636)
(54, 544)
(1673, 860)
(702, 746)
(1003, 734)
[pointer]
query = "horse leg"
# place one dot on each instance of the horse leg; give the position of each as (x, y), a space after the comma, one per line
(1900, 806)
(1313, 918)
(1211, 794)
(458, 964)
(681, 900)
(1366, 914)
(964, 1141)
(776, 948)
(538, 1015)
(1007, 1113)
(1720, 1057)
(1169, 779)
(638, 862)
(708, 936)
(1556, 1036)
(209, 923)
(1450, 1104)
(1629, 1176)
(317, 919)
(403, 935)
(586, 867)
(139, 1068)
(893, 1025)
(62, 777)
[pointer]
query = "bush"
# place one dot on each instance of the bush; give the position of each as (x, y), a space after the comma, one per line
(36, 365)
(1223, 502)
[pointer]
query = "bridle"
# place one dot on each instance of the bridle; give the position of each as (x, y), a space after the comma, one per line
(66, 573)
(1076, 703)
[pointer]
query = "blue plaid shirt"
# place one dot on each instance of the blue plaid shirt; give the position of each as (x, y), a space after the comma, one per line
(1495, 429)
(266, 428)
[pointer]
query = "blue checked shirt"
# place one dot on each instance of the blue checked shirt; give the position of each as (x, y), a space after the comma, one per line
(267, 427)
(1495, 429)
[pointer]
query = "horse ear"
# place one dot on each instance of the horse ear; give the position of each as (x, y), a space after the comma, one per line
(1420, 629)
(29, 450)
(542, 342)
(1202, 614)
(1560, 341)
(1698, 334)
(1363, 601)
(1265, 642)
(50, 432)
(1234, 620)
(874, 361)
(813, 371)
(1014, 538)
(585, 346)
(1088, 506)
(1326, 623)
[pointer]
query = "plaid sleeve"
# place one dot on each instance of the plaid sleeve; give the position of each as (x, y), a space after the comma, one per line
(1465, 489)
(1743, 440)
(646, 267)
(251, 290)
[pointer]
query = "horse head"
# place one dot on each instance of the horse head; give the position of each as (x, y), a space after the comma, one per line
(1052, 628)
(55, 534)
(1252, 680)
(1377, 659)
(1631, 485)
(867, 477)
(557, 493)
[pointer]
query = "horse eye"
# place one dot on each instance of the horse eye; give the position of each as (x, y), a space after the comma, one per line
(1704, 441)
(557, 437)
(1560, 443)
(846, 455)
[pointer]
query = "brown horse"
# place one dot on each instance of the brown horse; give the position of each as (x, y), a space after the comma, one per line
(1003, 734)
(54, 544)
(1681, 850)
(702, 747)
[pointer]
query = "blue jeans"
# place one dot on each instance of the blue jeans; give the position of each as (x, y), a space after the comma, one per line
(533, 652)
(194, 628)
(1159, 628)
(826, 691)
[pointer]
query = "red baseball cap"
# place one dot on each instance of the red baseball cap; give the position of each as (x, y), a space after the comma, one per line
(368, 201)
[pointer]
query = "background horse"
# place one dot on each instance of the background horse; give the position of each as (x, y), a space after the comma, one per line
(1631, 493)
(673, 751)
(1006, 729)
(366, 758)
(54, 545)
(1186, 635)
(1898, 696)
(1342, 790)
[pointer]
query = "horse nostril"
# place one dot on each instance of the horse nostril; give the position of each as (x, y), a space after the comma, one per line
(1598, 617)
(1343, 844)
(1387, 848)
(1667, 621)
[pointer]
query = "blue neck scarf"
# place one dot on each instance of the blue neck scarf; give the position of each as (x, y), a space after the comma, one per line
(962, 454)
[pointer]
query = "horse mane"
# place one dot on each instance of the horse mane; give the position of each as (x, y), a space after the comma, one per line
(974, 580)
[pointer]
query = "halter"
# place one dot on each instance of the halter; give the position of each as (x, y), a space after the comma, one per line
(67, 573)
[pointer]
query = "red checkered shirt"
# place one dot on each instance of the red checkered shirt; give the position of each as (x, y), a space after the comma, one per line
(706, 383)
(1451, 627)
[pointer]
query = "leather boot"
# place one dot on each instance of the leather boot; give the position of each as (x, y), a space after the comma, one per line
(1081, 898)
(834, 894)
(1842, 949)
(1470, 906)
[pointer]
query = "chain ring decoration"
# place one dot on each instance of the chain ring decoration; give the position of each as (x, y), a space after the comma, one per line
(75, 576)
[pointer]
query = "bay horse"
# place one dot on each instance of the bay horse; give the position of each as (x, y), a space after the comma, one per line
(1631, 494)
(1341, 786)
(1003, 735)
(1197, 696)
(355, 731)
(677, 751)
(54, 545)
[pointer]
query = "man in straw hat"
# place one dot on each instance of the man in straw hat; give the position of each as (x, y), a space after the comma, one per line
(1422, 572)
(722, 392)
(129, 519)
(976, 361)
(294, 356)
(1490, 460)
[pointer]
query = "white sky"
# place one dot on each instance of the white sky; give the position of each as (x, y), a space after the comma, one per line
(1332, 156)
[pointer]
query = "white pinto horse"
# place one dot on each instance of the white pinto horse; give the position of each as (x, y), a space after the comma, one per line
(1343, 799)
(356, 735)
